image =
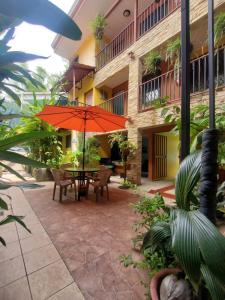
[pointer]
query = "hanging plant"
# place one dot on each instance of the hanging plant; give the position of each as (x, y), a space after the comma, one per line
(152, 63)
(219, 27)
(173, 57)
(98, 26)
(173, 53)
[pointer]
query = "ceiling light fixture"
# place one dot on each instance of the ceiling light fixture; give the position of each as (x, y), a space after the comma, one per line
(126, 13)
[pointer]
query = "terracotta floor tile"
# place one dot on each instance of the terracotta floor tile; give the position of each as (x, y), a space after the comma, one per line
(11, 270)
(19, 288)
(90, 237)
(49, 280)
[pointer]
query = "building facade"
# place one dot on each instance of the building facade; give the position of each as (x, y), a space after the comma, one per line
(112, 73)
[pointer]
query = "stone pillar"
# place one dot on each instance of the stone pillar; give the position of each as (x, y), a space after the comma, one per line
(134, 134)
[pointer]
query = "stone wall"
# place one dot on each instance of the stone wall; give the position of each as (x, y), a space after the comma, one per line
(167, 29)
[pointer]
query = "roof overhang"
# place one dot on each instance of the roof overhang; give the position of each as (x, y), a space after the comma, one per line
(75, 73)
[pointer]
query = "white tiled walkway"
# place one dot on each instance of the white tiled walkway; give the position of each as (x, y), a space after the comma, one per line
(30, 265)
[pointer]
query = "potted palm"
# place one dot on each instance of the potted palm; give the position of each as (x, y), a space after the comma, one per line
(196, 242)
(127, 151)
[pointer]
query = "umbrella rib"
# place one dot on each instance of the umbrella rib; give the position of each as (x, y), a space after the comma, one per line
(100, 125)
(106, 119)
(56, 124)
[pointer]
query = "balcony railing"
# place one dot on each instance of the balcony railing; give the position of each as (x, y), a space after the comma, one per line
(117, 104)
(150, 17)
(155, 13)
(120, 43)
(168, 86)
(160, 89)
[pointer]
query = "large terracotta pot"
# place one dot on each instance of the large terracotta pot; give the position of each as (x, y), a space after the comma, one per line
(157, 279)
(221, 172)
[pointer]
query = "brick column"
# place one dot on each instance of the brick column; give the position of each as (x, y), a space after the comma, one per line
(134, 135)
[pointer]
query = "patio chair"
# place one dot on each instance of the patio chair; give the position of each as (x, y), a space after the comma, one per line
(100, 182)
(62, 182)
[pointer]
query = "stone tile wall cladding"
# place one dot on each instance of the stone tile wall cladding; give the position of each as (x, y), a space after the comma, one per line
(151, 40)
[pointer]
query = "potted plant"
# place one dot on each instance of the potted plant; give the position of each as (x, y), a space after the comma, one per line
(98, 26)
(127, 151)
(152, 63)
(183, 237)
(196, 242)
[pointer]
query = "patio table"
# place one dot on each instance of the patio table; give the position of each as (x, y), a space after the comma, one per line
(81, 177)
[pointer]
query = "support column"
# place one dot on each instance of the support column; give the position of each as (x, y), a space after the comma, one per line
(134, 134)
(185, 78)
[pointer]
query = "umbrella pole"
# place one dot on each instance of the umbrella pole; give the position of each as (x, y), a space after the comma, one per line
(84, 137)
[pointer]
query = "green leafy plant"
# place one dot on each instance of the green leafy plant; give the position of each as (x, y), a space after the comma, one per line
(196, 242)
(152, 63)
(126, 147)
(37, 12)
(47, 149)
(159, 102)
(13, 76)
(154, 216)
(199, 120)
(98, 26)
(173, 53)
(219, 28)
(10, 218)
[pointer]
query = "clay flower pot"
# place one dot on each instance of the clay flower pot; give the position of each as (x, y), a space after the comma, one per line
(157, 279)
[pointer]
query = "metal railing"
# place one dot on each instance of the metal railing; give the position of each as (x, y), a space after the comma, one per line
(159, 90)
(155, 13)
(150, 17)
(117, 104)
(120, 43)
(167, 87)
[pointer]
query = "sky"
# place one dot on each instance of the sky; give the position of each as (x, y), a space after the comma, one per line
(37, 40)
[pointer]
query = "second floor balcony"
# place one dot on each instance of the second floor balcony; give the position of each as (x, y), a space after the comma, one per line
(117, 105)
(167, 87)
(142, 22)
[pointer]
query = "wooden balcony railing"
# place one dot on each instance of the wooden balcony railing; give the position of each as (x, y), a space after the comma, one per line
(168, 86)
(155, 13)
(117, 104)
(150, 17)
(120, 43)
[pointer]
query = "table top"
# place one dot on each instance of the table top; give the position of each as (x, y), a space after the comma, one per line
(82, 170)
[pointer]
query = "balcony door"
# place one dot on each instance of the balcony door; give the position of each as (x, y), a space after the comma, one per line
(89, 98)
(159, 156)
(119, 98)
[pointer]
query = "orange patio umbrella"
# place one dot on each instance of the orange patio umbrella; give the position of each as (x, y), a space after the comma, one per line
(82, 118)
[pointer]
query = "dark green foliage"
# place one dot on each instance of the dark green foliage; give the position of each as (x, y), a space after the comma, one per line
(39, 12)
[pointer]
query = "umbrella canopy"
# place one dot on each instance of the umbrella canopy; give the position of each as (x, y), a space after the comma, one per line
(82, 118)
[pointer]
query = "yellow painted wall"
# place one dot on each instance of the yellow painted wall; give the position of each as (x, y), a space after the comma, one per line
(172, 154)
(86, 52)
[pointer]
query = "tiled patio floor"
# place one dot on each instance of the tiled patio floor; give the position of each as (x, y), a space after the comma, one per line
(31, 267)
(90, 237)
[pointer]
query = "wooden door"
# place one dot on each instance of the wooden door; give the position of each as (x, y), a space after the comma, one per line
(159, 156)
